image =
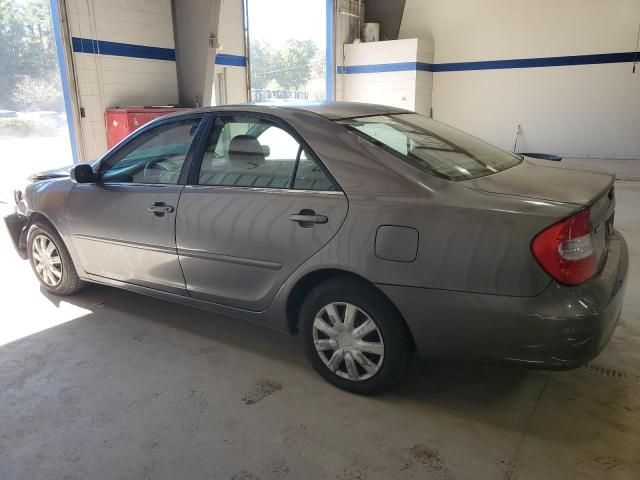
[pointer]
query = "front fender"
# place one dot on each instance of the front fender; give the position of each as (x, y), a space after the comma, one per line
(41, 201)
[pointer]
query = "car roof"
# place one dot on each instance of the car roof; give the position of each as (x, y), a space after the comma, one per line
(329, 110)
(337, 110)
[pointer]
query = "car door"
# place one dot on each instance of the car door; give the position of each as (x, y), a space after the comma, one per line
(123, 226)
(257, 206)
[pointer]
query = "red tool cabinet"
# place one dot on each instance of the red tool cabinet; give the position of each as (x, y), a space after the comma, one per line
(122, 121)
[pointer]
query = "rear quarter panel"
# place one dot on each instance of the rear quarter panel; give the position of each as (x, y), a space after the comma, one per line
(468, 240)
(482, 246)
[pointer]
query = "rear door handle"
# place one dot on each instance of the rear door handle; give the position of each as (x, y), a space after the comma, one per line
(160, 208)
(308, 218)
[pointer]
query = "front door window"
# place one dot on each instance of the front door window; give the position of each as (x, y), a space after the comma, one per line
(155, 156)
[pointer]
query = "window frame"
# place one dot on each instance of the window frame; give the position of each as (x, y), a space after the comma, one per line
(194, 173)
(162, 121)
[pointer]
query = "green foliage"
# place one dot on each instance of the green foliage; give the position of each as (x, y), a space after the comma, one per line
(27, 46)
(32, 94)
(295, 63)
(290, 66)
(19, 127)
(261, 63)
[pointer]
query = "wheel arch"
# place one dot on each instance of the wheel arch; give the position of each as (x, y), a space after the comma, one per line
(308, 281)
(32, 218)
(40, 217)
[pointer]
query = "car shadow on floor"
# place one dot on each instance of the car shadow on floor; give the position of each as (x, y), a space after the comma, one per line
(483, 394)
(426, 379)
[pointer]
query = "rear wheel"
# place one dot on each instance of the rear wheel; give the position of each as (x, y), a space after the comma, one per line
(51, 261)
(354, 337)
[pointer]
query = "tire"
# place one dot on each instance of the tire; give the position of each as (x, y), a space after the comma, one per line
(56, 273)
(387, 351)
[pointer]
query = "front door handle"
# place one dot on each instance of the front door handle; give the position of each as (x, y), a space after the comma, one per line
(160, 208)
(308, 218)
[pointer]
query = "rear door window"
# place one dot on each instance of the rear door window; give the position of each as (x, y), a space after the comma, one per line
(253, 152)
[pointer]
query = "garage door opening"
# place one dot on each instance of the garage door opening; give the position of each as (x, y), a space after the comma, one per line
(288, 57)
(34, 132)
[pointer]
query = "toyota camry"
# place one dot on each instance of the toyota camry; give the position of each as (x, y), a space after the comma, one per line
(372, 232)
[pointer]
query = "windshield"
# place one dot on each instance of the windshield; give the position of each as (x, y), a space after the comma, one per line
(431, 146)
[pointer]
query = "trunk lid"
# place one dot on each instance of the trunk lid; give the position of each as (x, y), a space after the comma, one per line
(541, 182)
(529, 179)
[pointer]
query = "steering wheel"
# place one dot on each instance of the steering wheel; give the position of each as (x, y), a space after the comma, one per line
(155, 164)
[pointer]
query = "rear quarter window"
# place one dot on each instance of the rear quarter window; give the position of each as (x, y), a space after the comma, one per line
(431, 146)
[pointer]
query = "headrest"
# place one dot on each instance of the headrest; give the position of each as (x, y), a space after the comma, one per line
(245, 148)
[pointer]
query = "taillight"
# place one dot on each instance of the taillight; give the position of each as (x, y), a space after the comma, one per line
(566, 250)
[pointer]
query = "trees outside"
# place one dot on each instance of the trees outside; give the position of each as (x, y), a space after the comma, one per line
(32, 94)
(293, 63)
(28, 57)
(291, 66)
(262, 64)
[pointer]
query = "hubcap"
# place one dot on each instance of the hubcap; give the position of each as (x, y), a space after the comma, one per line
(46, 260)
(348, 341)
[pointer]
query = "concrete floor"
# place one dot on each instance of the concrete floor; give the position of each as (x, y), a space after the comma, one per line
(112, 385)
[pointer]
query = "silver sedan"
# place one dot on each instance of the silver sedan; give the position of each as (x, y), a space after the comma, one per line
(374, 232)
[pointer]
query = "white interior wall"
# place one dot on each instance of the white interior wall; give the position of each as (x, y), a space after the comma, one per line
(231, 37)
(105, 81)
(195, 22)
(406, 87)
(586, 110)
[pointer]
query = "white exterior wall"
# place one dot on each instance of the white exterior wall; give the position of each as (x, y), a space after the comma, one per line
(408, 89)
(105, 81)
(587, 110)
(231, 37)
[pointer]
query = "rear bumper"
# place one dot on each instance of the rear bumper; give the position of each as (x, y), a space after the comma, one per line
(16, 223)
(563, 327)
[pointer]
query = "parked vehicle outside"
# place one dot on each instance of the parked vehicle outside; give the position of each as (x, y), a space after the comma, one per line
(8, 114)
(371, 231)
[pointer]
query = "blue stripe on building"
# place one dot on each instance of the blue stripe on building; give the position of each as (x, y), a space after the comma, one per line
(387, 67)
(573, 60)
(103, 47)
(230, 60)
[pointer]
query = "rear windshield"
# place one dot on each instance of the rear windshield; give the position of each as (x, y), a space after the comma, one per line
(431, 146)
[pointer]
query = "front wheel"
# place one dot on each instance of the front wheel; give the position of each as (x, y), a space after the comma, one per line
(51, 261)
(354, 337)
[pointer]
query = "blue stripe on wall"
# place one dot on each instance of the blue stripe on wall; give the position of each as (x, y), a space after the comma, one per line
(87, 45)
(230, 60)
(103, 47)
(572, 60)
(387, 67)
(623, 57)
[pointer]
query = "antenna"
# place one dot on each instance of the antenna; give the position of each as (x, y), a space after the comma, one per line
(635, 54)
(518, 132)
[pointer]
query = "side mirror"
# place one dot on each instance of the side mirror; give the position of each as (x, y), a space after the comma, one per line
(82, 173)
